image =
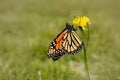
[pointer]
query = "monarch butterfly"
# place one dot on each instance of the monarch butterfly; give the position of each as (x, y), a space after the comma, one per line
(67, 42)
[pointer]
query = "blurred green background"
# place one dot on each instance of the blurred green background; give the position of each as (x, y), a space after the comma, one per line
(28, 26)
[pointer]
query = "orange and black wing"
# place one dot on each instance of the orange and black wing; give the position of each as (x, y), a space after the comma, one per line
(55, 49)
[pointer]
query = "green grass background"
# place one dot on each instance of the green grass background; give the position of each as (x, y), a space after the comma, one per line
(28, 26)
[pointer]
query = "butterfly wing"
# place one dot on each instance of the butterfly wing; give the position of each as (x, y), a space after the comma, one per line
(71, 42)
(55, 49)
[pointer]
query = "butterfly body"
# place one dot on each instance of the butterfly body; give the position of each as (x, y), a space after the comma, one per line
(67, 42)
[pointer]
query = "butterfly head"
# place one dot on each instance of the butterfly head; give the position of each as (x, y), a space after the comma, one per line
(69, 27)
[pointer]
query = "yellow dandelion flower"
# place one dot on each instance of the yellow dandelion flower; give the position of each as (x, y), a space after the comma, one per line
(81, 22)
(76, 21)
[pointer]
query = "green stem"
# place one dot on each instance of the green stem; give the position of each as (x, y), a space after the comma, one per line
(87, 37)
(85, 51)
(86, 63)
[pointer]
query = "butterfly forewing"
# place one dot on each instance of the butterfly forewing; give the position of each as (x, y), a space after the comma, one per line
(55, 50)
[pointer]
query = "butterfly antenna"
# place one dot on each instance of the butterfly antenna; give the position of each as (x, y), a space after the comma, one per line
(68, 14)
